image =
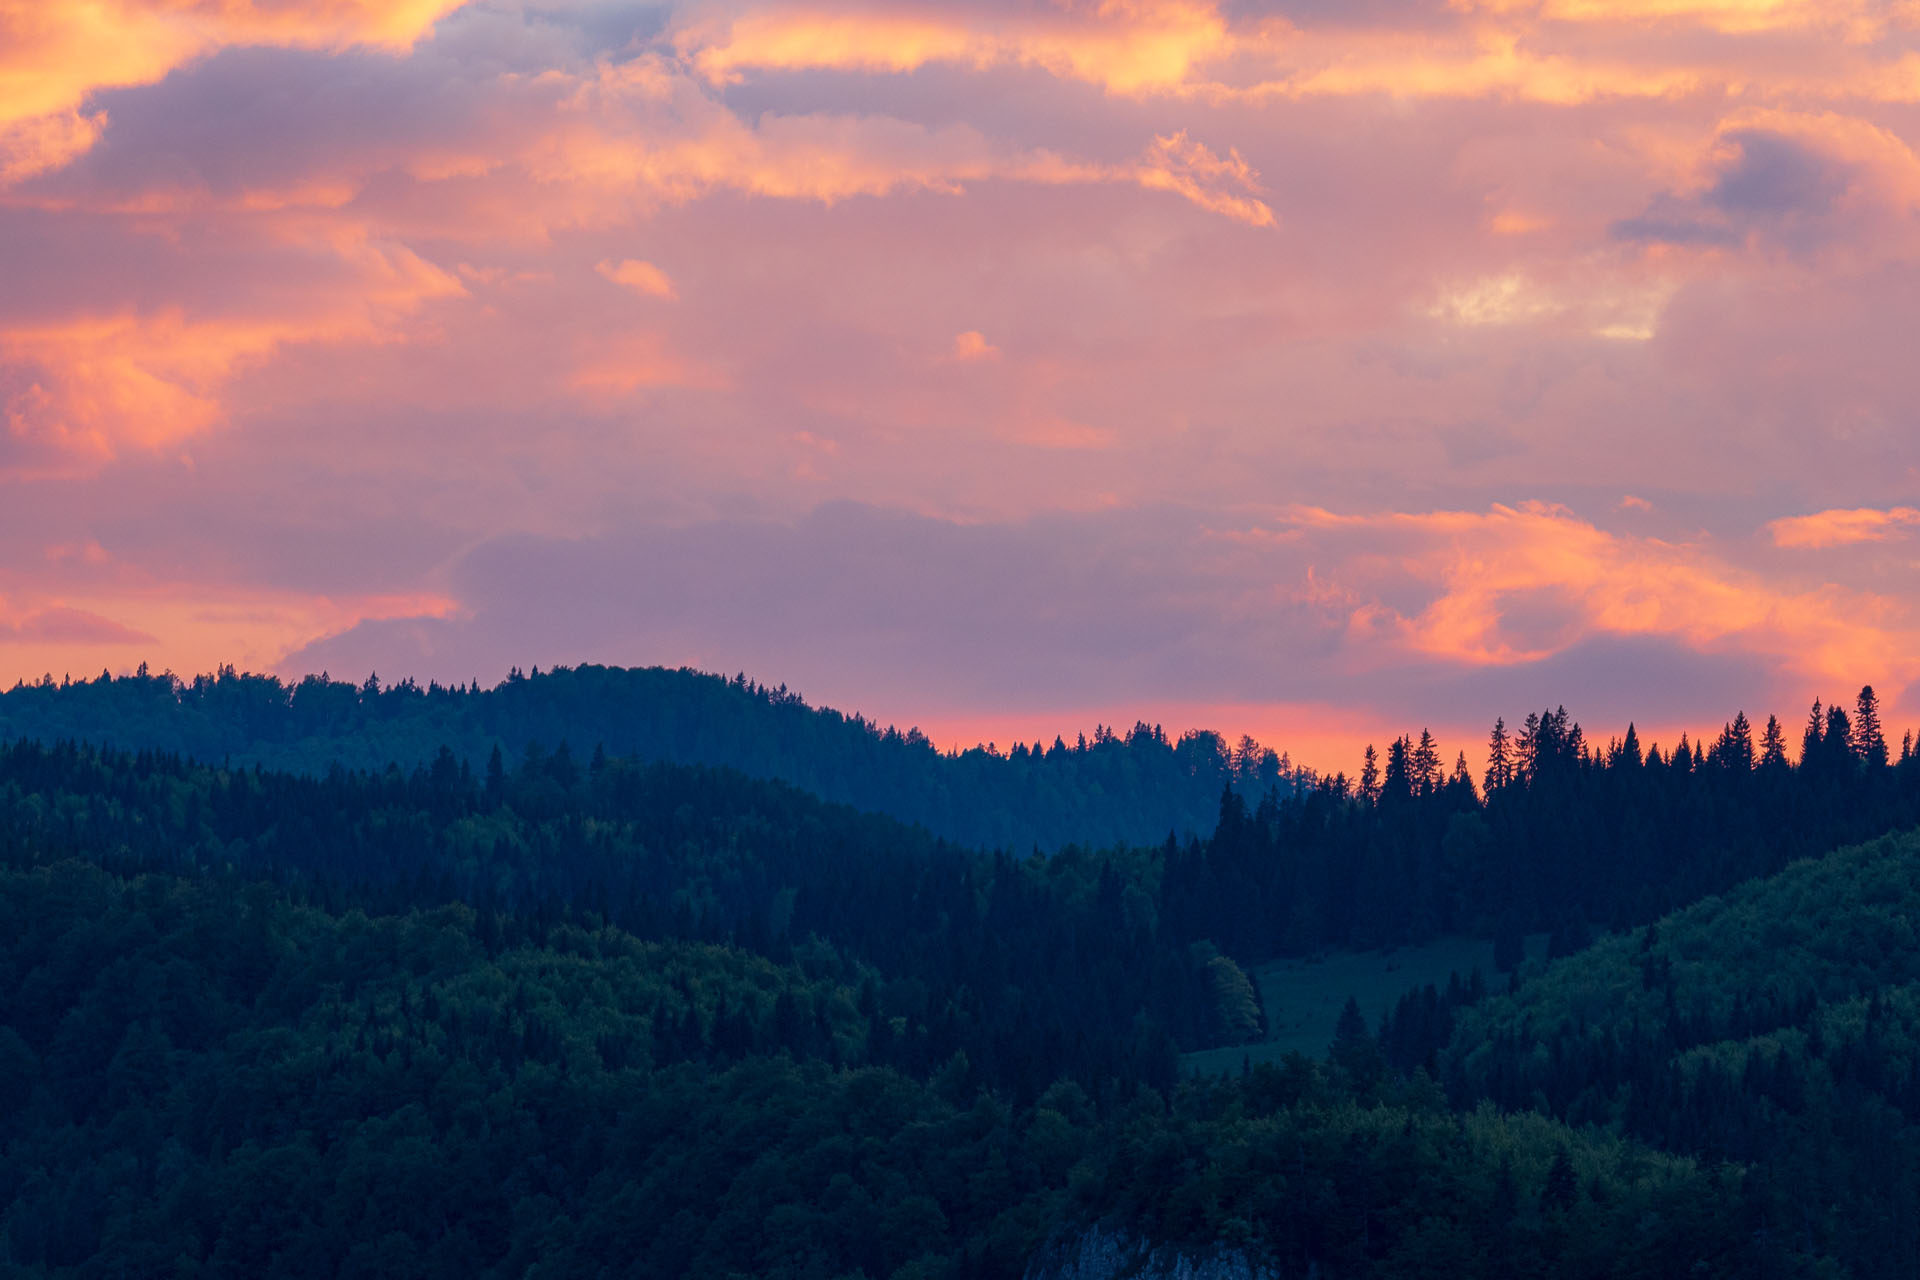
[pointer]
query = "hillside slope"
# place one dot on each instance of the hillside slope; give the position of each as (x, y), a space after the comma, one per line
(1776, 1025)
(1117, 789)
(629, 1020)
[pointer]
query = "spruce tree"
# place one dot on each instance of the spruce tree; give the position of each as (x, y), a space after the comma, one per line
(1527, 749)
(1837, 741)
(1462, 779)
(1810, 740)
(1773, 745)
(1499, 758)
(1738, 751)
(1398, 784)
(1630, 748)
(1426, 764)
(1869, 741)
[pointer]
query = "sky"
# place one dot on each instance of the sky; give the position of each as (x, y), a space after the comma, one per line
(1319, 369)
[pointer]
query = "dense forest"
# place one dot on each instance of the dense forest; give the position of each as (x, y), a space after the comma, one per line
(253, 1088)
(560, 1013)
(1558, 834)
(1777, 1027)
(1117, 788)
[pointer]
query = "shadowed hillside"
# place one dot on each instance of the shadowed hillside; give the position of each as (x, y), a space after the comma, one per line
(1776, 1026)
(1116, 789)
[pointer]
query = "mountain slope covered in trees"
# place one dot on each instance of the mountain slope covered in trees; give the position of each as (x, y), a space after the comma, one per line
(1118, 788)
(588, 1016)
(1560, 834)
(252, 1088)
(260, 1024)
(1777, 1026)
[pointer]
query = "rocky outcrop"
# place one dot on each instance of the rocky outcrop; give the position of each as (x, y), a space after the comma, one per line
(1100, 1253)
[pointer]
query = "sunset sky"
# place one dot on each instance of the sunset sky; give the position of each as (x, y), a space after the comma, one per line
(1319, 369)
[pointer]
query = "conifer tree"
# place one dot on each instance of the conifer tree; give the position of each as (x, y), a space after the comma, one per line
(1737, 745)
(1370, 776)
(1773, 745)
(1398, 784)
(1462, 779)
(1810, 740)
(1869, 741)
(1426, 764)
(1499, 758)
(1837, 741)
(1630, 748)
(1527, 750)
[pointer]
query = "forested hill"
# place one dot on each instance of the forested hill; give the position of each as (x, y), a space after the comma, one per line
(650, 1020)
(1777, 1027)
(576, 1014)
(1129, 788)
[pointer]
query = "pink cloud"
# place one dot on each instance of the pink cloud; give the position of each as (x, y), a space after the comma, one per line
(74, 627)
(1839, 528)
(307, 304)
(1441, 617)
(1130, 47)
(973, 345)
(641, 277)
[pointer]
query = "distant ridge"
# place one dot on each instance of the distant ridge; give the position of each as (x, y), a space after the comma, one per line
(1131, 788)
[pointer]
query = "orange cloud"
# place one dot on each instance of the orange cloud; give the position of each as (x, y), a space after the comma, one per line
(1520, 49)
(641, 277)
(1524, 49)
(640, 134)
(36, 144)
(1882, 164)
(1126, 46)
(1512, 223)
(54, 54)
(66, 626)
(1490, 62)
(973, 345)
(169, 627)
(1519, 584)
(1839, 528)
(88, 386)
(1061, 433)
(620, 366)
(1177, 163)
(1853, 21)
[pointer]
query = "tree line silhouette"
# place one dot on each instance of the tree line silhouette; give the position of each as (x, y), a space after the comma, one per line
(1115, 787)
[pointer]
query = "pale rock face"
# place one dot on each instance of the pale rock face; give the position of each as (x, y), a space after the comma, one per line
(1103, 1254)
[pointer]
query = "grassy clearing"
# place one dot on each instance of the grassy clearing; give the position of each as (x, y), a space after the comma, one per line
(1303, 998)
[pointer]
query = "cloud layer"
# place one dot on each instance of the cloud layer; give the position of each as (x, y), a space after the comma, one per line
(1331, 366)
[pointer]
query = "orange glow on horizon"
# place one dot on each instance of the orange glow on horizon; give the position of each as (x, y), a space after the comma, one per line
(1330, 740)
(155, 625)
